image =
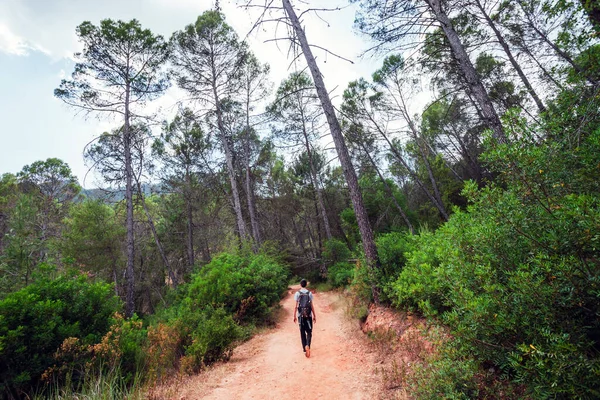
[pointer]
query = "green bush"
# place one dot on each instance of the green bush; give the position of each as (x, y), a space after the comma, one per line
(516, 277)
(212, 340)
(216, 309)
(392, 249)
(335, 251)
(419, 285)
(246, 287)
(340, 274)
(36, 320)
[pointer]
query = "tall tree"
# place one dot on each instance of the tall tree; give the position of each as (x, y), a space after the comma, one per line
(487, 17)
(366, 232)
(255, 89)
(108, 156)
(182, 148)
(357, 137)
(395, 21)
(118, 72)
(393, 77)
(53, 186)
(92, 238)
(298, 109)
(360, 107)
(208, 60)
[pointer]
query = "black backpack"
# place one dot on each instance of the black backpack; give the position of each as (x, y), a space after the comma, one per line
(304, 305)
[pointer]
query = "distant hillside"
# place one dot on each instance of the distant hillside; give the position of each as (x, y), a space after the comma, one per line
(113, 195)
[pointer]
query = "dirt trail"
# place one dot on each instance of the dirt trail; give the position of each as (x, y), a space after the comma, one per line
(273, 366)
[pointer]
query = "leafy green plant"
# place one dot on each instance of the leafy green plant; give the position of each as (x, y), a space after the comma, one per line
(244, 286)
(516, 276)
(335, 251)
(212, 340)
(340, 274)
(36, 320)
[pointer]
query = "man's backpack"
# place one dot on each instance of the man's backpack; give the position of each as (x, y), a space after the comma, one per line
(304, 305)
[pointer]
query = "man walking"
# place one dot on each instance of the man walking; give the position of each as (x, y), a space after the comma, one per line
(305, 314)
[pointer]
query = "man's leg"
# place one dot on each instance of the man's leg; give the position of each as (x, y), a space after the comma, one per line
(308, 331)
(302, 332)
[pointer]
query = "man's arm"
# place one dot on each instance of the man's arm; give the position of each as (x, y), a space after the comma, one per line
(295, 316)
(312, 307)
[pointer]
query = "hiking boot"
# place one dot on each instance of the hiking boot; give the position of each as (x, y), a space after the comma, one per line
(307, 351)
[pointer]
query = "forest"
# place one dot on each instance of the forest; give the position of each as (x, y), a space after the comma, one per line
(478, 210)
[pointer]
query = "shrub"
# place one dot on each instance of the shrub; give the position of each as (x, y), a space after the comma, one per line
(340, 274)
(392, 249)
(35, 321)
(335, 251)
(212, 340)
(419, 286)
(245, 287)
(516, 277)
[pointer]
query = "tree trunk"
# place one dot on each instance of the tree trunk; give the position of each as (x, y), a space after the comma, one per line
(252, 206)
(249, 191)
(512, 60)
(130, 280)
(235, 194)
(470, 74)
(190, 220)
(155, 234)
(315, 182)
(366, 232)
(237, 206)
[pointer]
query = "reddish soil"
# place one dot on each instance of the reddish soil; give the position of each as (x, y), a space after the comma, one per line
(272, 365)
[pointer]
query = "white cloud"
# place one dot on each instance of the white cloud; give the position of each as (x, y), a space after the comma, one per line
(11, 43)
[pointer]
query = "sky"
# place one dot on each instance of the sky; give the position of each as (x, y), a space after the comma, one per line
(38, 40)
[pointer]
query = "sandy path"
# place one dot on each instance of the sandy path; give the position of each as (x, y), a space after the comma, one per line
(273, 366)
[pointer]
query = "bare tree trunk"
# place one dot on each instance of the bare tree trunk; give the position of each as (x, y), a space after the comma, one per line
(155, 234)
(512, 60)
(190, 220)
(316, 186)
(251, 205)
(472, 78)
(366, 232)
(237, 206)
(115, 280)
(249, 191)
(130, 278)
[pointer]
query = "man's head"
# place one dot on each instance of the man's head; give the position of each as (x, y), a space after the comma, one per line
(303, 283)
